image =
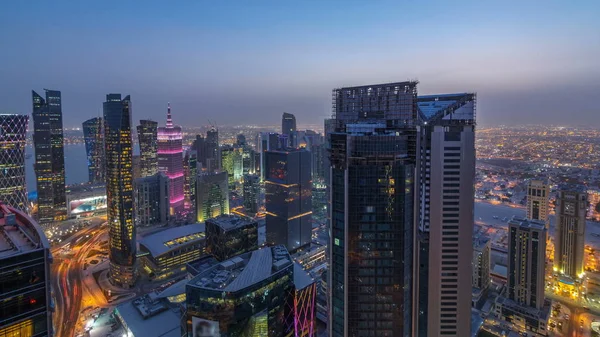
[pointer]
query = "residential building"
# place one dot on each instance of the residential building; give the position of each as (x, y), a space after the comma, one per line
(212, 195)
(170, 162)
(49, 157)
(230, 235)
(119, 188)
(94, 149)
(288, 198)
(569, 242)
(151, 196)
(13, 139)
(25, 258)
(148, 142)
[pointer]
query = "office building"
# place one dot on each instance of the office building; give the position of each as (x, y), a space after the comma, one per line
(148, 141)
(119, 189)
(49, 157)
(25, 258)
(190, 173)
(266, 141)
(165, 254)
(94, 149)
(288, 127)
(246, 295)
(288, 198)
(230, 235)
(524, 304)
(538, 194)
(251, 193)
(151, 197)
(212, 195)
(481, 263)
(446, 175)
(170, 162)
(571, 208)
(13, 138)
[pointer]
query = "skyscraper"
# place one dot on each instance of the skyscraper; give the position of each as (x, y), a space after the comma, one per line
(147, 137)
(538, 194)
(170, 162)
(571, 208)
(25, 257)
(212, 195)
(94, 149)
(446, 175)
(288, 127)
(119, 189)
(49, 157)
(13, 136)
(288, 198)
(372, 215)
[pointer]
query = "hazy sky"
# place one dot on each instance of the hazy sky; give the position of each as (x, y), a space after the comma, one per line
(248, 61)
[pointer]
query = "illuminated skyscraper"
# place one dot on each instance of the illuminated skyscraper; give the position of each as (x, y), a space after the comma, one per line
(147, 138)
(94, 149)
(119, 189)
(538, 194)
(49, 157)
(13, 135)
(571, 208)
(170, 162)
(288, 198)
(288, 127)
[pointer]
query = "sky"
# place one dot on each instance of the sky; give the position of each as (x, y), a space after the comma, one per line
(247, 62)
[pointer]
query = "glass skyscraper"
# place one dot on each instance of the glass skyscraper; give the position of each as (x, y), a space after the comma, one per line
(119, 189)
(288, 198)
(49, 157)
(13, 137)
(147, 138)
(170, 162)
(94, 149)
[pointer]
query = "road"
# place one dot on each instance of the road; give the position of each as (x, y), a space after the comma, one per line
(67, 277)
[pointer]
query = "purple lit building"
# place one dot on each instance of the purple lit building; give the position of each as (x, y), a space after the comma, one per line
(170, 162)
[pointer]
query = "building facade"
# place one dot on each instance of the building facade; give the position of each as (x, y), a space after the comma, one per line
(571, 208)
(212, 195)
(151, 196)
(170, 162)
(49, 157)
(13, 138)
(230, 235)
(119, 189)
(148, 141)
(251, 193)
(538, 195)
(94, 149)
(288, 198)
(25, 258)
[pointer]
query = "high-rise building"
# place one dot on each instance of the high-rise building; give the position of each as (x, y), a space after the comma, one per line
(25, 257)
(13, 137)
(148, 141)
(266, 141)
(230, 235)
(190, 172)
(151, 196)
(119, 190)
(170, 162)
(446, 176)
(212, 195)
(538, 194)
(288, 198)
(251, 193)
(94, 149)
(288, 127)
(481, 263)
(49, 157)
(372, 214)
(571, 208)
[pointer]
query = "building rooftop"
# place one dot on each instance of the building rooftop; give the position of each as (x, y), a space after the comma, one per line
(243, 270)
(172, 238)
(527, 223)
(146, 317)
(229, 222)
(19, 233)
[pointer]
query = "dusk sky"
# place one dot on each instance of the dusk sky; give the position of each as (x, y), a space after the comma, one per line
(248, 61)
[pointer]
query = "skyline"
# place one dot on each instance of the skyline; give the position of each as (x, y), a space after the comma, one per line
(236, 63)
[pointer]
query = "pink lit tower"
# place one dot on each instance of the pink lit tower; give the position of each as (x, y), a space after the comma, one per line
(170, 162)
